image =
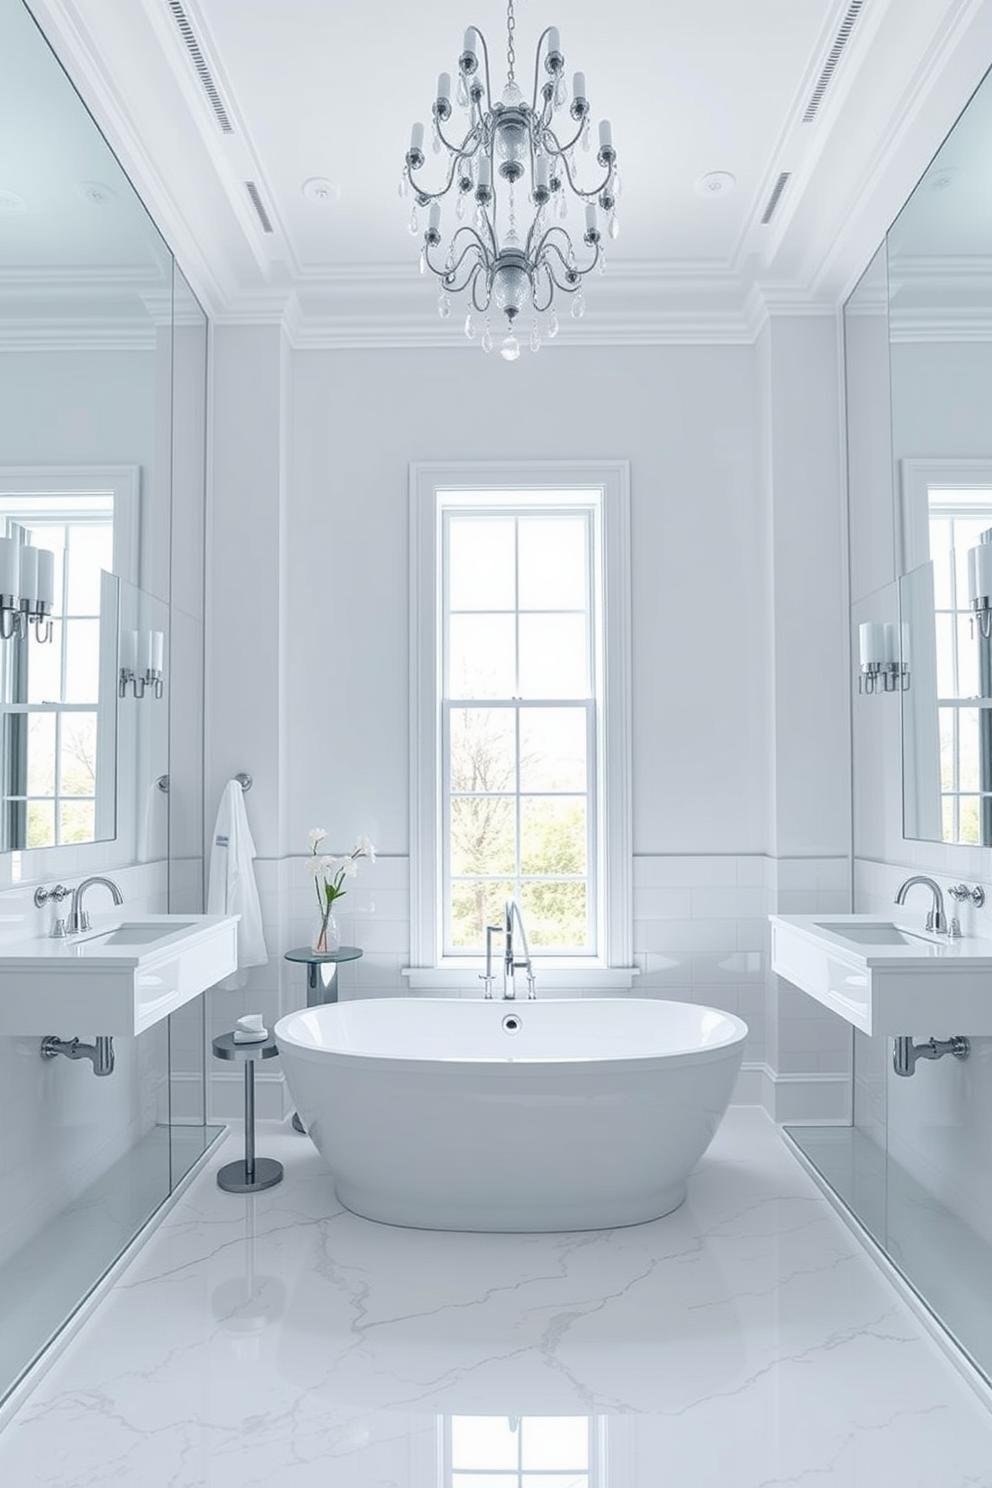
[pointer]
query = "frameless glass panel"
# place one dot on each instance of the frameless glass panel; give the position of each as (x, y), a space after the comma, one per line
(481, 564)
(968, 750)
(555, 913)
(552, 749)
(553, 834)
(553, 563)
(554, 1443)
(481, 656)
(554, 656)
(476, 903)
(483, 835)
(554, 1480)
(483, 743)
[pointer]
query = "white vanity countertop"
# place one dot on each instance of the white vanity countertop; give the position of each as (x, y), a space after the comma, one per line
(975, 950)
(68, 951)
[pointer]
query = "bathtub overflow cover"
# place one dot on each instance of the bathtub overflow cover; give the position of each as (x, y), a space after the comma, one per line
(511, 1023)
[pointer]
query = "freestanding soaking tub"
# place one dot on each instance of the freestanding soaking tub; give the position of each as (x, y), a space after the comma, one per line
(451, 1114)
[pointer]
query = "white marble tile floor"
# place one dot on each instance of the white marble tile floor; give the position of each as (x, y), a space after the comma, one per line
(276, 1341)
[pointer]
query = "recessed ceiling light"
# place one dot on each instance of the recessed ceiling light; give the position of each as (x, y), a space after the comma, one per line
(716, 183)
(940, 180)
(10, 202)
(319, 189)
(96, 193)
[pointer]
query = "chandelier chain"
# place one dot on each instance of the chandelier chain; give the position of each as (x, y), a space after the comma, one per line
(511, 56)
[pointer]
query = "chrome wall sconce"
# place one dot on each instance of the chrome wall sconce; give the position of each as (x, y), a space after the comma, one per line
(882, 667)
(27, 590)
(980, 587)
(142, 657)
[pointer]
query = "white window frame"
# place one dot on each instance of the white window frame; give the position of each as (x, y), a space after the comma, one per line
(612, 968)
(122, 483)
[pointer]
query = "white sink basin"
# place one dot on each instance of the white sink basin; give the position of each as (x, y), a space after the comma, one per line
(121, 977)
(885, 977)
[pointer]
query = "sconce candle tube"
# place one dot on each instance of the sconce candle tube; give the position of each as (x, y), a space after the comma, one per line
(871, 641)
(10, 567)
(29, 576)
(46, 579)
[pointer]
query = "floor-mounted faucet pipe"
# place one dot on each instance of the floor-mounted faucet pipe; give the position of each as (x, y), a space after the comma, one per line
(100, 1052)
(906, 1053)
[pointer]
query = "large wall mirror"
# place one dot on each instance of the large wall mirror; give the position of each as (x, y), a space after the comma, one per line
(95, 322)
(927, 505)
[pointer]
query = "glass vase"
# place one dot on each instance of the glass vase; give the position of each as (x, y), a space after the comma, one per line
(328, 937)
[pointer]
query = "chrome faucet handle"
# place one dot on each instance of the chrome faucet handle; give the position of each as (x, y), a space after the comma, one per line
(59, 930)
(961, 891)
(954, 929)
(488, 985)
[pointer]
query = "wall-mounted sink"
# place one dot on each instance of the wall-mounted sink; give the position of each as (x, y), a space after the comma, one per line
(884, 976)
(121, 977)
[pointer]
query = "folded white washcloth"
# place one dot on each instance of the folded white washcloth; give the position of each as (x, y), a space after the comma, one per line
(249, 1029)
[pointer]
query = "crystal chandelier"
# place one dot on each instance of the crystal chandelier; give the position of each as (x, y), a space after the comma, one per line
(515, 170)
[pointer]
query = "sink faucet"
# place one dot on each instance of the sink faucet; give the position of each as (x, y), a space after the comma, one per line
(78, 918)
(511, 961)
(936, 920)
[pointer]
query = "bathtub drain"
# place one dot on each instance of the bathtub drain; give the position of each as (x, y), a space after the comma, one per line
(511, 1023)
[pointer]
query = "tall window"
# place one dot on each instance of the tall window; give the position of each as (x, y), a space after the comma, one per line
(521, 786)
(519, 700)
(957, 520)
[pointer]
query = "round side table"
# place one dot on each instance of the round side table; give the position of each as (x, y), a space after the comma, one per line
(322, 970)
(322, 982)
(253, 1173)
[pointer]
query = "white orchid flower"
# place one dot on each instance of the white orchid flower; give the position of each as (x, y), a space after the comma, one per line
(314, 866)
(316, 834)
(349, 867)
(364, 849)
(330, 866)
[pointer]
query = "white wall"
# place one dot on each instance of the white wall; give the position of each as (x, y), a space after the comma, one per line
(316, 706)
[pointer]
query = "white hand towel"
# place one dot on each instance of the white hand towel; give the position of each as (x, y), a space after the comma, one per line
(231, 888)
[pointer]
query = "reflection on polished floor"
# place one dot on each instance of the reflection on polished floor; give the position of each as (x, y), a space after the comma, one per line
(746, 1341)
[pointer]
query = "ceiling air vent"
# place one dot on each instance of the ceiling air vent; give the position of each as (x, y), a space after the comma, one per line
(256, 201)
(775, 197)
(833, 57)
(203, 72)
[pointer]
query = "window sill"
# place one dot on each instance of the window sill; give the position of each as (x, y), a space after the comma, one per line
(455, 977)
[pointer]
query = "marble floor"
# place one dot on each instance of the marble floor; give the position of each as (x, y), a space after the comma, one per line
(276, 1341)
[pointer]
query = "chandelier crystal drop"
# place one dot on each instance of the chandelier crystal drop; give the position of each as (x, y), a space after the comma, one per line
(513, 160)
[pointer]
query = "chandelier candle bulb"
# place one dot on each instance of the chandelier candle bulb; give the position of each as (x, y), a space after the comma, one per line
(605, 135)
(29, 575)
(591, 224)
(416, 138)
(554, 40)
(434, 220)
(444, 88)
(578, 89)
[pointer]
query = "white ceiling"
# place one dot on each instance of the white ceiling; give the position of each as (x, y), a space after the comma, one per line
(329, 88)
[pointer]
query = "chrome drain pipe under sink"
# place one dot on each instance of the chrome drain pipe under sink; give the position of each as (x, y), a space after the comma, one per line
(906, 1053)
(100, 1052)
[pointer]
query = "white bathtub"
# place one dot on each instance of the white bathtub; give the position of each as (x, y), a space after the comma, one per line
(450, 1114)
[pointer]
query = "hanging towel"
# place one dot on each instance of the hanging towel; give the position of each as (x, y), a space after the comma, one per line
(232, 889)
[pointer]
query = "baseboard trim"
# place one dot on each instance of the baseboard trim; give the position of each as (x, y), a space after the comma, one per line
(226, 1096)
(809, 1099)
